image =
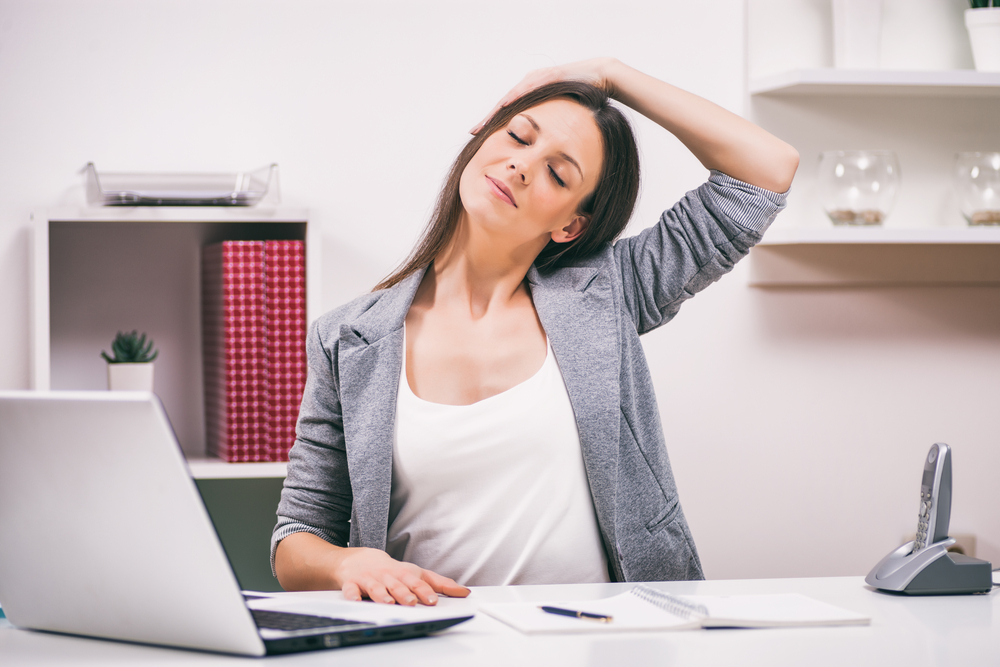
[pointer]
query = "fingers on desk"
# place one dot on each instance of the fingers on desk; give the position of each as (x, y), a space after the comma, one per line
(445, 585)
(407, 585)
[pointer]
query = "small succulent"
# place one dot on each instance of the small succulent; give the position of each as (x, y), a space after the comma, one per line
(130, 348)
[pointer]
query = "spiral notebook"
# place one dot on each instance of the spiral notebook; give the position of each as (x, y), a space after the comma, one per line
(645, 608)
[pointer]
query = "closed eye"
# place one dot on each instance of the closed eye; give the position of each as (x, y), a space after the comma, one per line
(560, 181)
(517, 138)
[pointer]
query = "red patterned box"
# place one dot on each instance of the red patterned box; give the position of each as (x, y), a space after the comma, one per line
(234, 336)
(285, 297)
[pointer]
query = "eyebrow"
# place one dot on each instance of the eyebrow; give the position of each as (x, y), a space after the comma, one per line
(564, 156)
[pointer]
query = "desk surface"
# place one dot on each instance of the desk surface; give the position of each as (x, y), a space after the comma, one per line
(933, 631)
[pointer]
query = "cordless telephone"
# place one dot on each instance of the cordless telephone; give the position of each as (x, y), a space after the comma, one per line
(925, 566)
(935, 497)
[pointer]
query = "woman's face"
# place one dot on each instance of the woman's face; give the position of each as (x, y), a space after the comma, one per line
(527, 180)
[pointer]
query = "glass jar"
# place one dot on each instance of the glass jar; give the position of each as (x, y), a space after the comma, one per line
(858, 187)
(976, 180)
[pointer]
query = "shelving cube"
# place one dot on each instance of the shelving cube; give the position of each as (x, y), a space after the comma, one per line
(98, 270)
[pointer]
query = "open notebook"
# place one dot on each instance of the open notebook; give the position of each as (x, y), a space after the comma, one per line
(645, 608)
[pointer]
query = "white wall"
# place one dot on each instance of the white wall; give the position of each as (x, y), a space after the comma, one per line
(796, 419)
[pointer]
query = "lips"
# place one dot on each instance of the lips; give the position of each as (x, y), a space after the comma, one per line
(502, 191)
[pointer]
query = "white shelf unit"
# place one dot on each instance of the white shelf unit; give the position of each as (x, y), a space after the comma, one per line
(99, 270)
(841, 257)
(878, 235)
(907, 83)
(926, 117)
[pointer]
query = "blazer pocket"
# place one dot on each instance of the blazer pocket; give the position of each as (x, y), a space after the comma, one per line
(663, 519)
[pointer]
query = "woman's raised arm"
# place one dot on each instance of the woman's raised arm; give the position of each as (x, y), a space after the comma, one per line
(718, 138)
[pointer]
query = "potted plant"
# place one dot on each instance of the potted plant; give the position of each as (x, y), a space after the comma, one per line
(983, 21)
(130, 368)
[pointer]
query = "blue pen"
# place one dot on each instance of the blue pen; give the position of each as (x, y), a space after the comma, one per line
(577, 614)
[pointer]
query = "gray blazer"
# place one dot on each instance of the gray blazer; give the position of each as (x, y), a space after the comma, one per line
(340, 468)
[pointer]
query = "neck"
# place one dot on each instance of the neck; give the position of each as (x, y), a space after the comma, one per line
(480, 269)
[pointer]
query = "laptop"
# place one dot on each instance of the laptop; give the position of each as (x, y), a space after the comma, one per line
(103, 533)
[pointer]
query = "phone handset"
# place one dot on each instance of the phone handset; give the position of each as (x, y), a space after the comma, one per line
(935, 497)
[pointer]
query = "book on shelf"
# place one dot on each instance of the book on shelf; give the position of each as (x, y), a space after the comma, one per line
(645, 608)
(234, 340)
(253, 319)
(285, 299)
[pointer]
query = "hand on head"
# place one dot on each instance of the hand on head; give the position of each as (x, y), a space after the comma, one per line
(590, 71)
(373, 574)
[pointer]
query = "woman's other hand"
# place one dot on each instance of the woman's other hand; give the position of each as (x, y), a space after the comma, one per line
(305, 562)
(593, 71)
(374, 574)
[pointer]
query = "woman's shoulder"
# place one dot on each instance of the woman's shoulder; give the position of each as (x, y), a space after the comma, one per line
(599, 258)
(329, 323)
(373, 315)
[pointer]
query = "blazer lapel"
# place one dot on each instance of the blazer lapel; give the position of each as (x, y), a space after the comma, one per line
(371, 359)
(577, 310)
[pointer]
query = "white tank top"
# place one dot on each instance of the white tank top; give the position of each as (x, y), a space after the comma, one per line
(494, 493)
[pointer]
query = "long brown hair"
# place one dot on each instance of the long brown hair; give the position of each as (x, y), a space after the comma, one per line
(608, 207)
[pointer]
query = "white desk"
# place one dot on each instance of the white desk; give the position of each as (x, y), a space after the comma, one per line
(933, 631)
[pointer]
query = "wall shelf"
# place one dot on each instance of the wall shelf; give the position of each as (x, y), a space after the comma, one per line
(881, 235)
(218, 469)
(830, 81)
(926, 117)
(841, 257)
(101, 269)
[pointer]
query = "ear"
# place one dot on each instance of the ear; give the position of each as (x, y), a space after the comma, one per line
(577, 226)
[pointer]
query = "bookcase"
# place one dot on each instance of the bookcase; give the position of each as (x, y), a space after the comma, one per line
(99, 270)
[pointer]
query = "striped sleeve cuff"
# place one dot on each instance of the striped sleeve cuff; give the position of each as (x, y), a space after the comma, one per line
(288, 526)
(751, 207)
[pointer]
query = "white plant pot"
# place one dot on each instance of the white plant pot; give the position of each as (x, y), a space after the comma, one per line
(984, 34)
(857, 33)
(130, 377)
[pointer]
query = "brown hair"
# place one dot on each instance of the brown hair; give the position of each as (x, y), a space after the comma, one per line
(608, 207)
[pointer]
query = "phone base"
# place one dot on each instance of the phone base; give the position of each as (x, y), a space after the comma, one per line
(931, 571)
(952, 574)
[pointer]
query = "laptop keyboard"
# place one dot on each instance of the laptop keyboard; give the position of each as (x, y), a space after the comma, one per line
(278, 620)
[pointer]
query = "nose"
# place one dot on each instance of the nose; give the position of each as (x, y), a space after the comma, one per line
(520, 169)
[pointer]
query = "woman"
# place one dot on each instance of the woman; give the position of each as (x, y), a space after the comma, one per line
(486, 416)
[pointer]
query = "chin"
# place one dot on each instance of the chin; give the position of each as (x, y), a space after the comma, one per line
(478, 205)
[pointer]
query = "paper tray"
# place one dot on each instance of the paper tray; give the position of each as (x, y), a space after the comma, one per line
(162, 189)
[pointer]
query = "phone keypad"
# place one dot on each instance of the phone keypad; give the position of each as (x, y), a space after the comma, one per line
(923, 520)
